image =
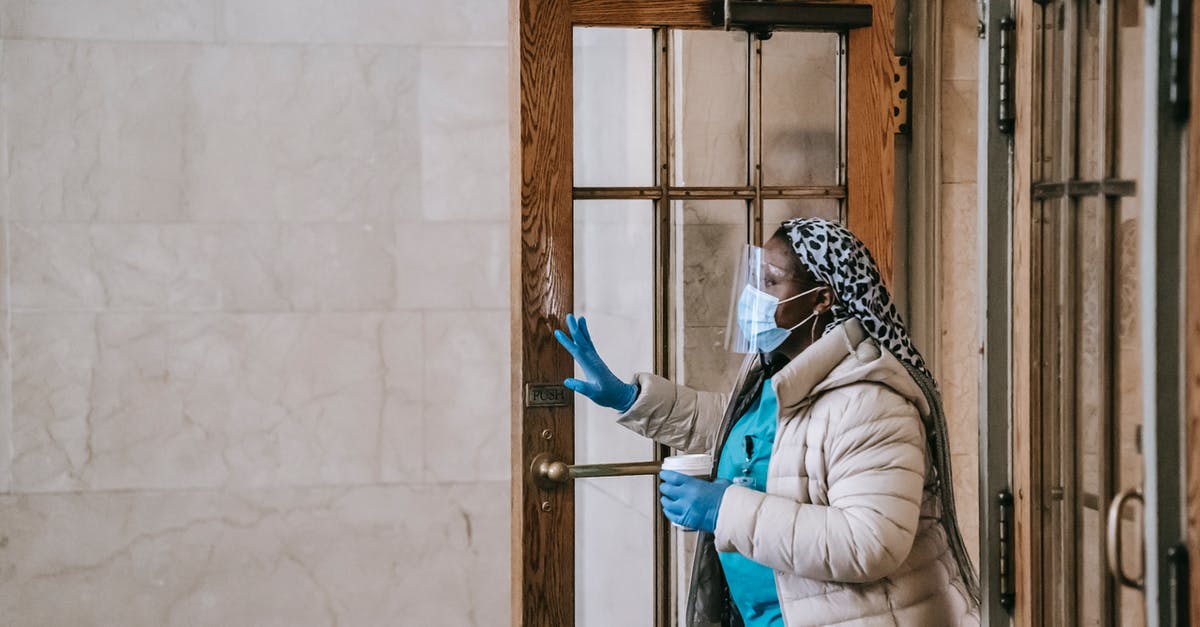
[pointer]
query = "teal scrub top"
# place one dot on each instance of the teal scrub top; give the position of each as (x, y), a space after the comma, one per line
(744, 460)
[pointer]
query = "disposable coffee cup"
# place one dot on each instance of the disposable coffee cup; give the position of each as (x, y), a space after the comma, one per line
(697, 465)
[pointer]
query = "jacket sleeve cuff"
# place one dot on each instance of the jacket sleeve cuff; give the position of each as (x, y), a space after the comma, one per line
(735, 519)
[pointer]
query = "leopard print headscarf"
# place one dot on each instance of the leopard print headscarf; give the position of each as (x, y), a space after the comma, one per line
(840, 260)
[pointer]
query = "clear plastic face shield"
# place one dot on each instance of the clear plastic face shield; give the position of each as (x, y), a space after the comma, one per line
(759, 288)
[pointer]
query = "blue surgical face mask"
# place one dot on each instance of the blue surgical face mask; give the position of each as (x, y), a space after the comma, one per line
(756, 319)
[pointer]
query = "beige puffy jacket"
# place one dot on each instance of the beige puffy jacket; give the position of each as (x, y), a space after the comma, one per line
(847, 522)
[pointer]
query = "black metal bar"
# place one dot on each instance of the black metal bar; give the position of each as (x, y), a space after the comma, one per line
(781, 15)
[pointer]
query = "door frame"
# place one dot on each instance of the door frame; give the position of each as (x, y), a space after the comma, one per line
(1192, 335)
(995, 183)
(542, 246)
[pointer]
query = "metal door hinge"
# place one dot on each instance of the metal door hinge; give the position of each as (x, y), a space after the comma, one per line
(1004, 507)
(1007, 116)
(1178, 584)
(1179, 32)
(901, 95)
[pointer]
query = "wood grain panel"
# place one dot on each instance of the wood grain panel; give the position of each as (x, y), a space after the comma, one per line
(633, 13)
(871, 140)
(1192, 330)
(1023, 335)
(543, 527)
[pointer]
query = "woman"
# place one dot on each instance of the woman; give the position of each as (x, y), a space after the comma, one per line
(830, 501)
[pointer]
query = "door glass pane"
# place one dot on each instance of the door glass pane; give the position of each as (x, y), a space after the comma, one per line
(1090, 309)
(776, 211)
(614, 517)
(710, 130)
(614, 107)
(707, 236)
(1091, 95)
(800, 113)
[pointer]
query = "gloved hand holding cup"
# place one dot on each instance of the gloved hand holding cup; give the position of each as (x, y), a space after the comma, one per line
(688, 501)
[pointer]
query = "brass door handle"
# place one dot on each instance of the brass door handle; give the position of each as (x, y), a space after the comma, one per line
(549, 473)
(1114, 538)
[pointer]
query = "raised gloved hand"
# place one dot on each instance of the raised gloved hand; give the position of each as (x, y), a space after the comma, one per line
(691, 502)
(602, 386)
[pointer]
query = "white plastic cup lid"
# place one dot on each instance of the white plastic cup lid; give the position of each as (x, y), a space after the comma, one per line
(696, 464)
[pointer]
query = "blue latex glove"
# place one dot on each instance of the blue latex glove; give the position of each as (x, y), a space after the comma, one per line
(602, 386)
(691, 502)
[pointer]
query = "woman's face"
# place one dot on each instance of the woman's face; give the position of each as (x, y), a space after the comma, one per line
(781, 281)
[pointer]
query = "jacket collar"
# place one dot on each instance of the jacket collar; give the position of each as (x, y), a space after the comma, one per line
(843, 356)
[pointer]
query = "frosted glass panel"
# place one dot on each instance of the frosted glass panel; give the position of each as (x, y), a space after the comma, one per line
(614, 107)
(800, 114)
(776, 211)
(614, 517)
(710, 118)
(707, 238)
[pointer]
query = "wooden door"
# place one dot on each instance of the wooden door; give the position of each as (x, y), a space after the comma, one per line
(1097, 414)
(589, 207)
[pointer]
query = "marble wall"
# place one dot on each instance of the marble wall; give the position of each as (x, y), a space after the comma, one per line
(958, 311)
(245, 286)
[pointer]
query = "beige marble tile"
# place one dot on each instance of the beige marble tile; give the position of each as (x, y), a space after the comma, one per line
(404, 22)
(52, 357)
(959, 121)
(80, 146)
(5, 362)
(303, 133)
(966, 496)
(959, 344)
(5, 419)
(452, 266)
(119, 20)
(384, 555)
(230, 133)
(203, 267)
(466, 395)
(171, 401)
(401, 429)
(960, 39)
(464, 133)
(959, 316)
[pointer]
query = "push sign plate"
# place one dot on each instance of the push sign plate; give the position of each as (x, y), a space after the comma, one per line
(547, 395)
